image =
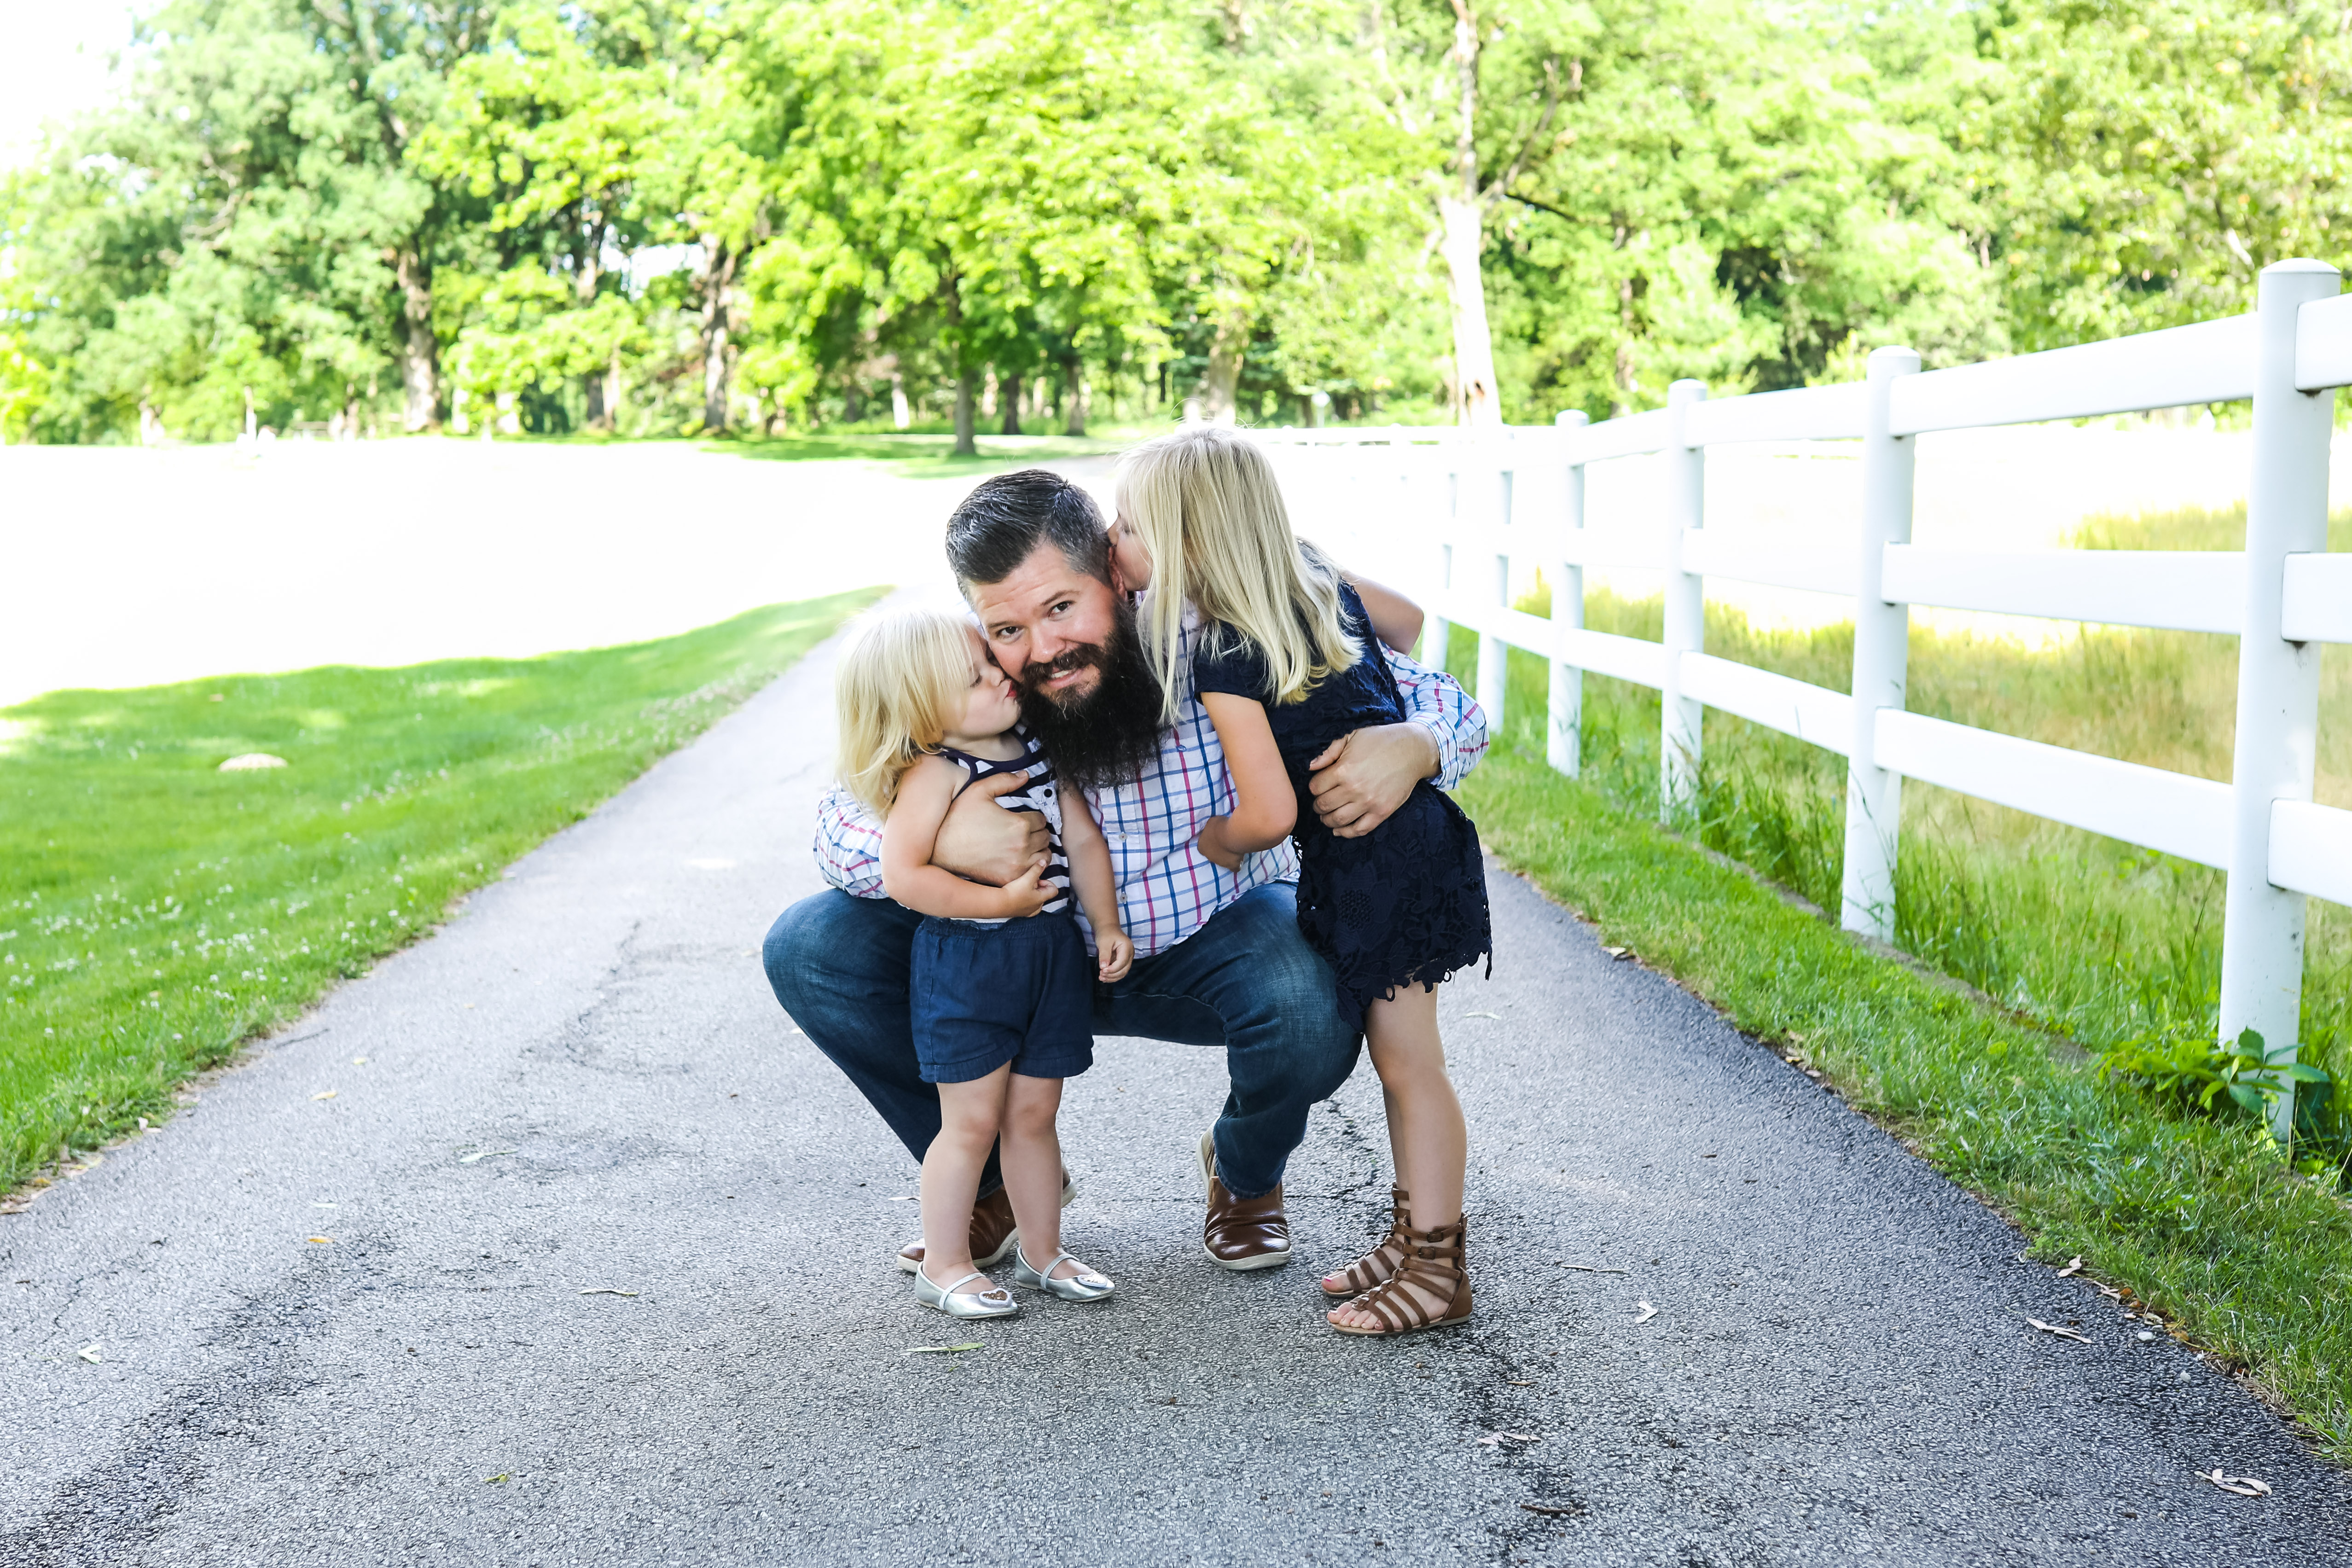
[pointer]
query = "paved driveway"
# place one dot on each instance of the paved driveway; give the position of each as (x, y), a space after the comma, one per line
(582, 1085)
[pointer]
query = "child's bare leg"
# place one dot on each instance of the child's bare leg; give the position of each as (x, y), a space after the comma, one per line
(1426, 1135)
(1030, 1153)
(969, 1114)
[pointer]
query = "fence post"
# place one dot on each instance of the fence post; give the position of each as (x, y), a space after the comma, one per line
(1685, 628)
(2278, 681)
(1882, 657)
(1564, 732)
(1435, 627)
(1494, 483)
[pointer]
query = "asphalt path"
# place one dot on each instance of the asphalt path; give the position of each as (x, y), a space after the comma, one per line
(582, 1085)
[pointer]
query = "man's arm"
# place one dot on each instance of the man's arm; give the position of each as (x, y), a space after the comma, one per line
(979, 841)
(1435, 700)
(1361, 778)
(848, 845)
(907, 874)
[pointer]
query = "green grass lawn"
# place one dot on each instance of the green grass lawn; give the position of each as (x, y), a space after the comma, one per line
(2086, 943)
(155, 911)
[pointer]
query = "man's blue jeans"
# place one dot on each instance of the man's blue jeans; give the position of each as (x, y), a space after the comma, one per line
(1246, 981)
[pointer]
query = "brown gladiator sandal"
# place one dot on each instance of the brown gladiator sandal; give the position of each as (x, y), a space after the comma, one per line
(1376, 1267)
(1434, 1264)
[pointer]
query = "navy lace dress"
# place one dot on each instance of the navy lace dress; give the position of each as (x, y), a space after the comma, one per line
(1406, 903)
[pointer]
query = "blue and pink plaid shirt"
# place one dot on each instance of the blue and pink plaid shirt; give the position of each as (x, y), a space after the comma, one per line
(1167, 888)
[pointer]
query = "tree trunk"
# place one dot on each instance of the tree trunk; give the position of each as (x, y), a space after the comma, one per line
(587, 273)
(612, 392)
(1473, 348)
(901, 415)
(1073, 399)
(1463, 216)
(1227, 352)
(967, 405)
(1625, 404)
(717, 273)
(1008, 394)
(420, 354)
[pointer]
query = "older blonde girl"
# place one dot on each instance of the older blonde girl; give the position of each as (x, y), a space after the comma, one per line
(1283, 651)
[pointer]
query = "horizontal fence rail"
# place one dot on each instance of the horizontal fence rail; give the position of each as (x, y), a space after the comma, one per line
(2282, 596)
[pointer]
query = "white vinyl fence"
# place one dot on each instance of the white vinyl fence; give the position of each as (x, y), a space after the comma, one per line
(2282, 596)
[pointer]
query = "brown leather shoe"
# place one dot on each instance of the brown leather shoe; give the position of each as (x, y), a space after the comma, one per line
(1241, 1233)
(993, 1234)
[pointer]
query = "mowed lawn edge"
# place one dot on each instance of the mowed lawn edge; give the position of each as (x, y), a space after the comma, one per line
(157, 912)
(2197, 1220)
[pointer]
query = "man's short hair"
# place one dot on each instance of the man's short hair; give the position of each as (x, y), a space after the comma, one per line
(1004, 519)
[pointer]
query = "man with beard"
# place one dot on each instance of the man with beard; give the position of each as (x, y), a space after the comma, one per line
(1219, 958)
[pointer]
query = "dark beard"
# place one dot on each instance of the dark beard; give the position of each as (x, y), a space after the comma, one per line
(1103, 739)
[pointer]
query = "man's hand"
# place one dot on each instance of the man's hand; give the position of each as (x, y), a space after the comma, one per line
(1114, 954)
(1361, 778)
(982, 842)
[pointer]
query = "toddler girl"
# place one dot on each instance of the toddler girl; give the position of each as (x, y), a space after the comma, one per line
(1286, 660)
(1002, 990)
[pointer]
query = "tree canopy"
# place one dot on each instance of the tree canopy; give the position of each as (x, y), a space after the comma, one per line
(662, 216)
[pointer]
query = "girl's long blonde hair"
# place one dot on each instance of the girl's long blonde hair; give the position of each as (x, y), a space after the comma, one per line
(900, 684)
(1204, 504)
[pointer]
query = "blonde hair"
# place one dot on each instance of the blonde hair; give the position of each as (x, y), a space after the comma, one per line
(899, 686)
(1203, 503)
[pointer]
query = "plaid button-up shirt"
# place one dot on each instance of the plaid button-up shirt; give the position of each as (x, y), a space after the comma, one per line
(1167, 888)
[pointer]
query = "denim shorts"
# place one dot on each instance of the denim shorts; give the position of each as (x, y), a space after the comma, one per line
(987, 995)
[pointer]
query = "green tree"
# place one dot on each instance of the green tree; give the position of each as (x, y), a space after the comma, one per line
(2145, 161)
(554, 126)
(240, 222)
(987, 184)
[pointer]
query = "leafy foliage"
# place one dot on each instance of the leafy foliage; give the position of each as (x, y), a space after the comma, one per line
(2194, 1074)
(655, 215)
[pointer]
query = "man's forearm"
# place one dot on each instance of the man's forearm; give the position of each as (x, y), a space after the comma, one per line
(1456, 725)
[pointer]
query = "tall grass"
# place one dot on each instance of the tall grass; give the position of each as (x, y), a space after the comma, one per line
(2094, 939)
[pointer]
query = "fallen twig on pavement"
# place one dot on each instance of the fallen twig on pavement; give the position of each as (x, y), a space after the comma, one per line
(2062, 1333)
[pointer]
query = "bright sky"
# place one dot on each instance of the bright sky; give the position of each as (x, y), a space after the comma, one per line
(53, 63)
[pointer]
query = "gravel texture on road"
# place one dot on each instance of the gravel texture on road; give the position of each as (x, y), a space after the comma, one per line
(360, 1330)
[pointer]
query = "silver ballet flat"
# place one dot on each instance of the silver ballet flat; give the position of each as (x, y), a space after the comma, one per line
(995, 1301)
(1084, 1285)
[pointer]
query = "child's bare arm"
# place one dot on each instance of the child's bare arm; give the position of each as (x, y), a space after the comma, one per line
(907, 838)
(1091, 879)
(1265, 808)
(1396, 620)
